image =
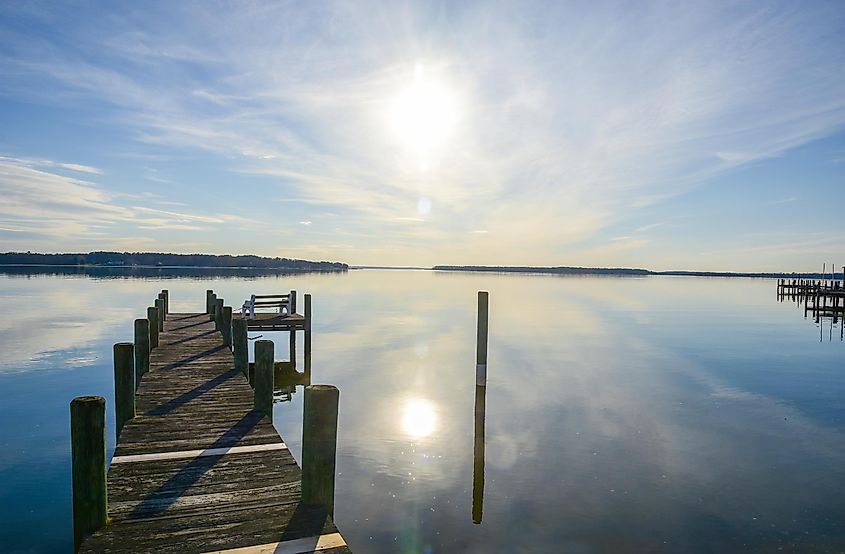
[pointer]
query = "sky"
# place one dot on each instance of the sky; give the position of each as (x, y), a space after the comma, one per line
(664, 135)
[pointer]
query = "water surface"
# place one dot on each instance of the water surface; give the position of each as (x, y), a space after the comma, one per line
(655, 414)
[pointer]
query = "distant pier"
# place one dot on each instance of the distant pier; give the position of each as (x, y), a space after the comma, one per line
(820, 297)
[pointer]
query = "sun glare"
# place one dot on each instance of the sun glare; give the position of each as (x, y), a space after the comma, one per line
(424, 114)
(419, 418)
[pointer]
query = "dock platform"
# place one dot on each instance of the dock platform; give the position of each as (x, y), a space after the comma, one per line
(275, 322)
(199, 469)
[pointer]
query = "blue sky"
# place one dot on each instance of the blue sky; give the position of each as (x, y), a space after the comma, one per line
(667, 135)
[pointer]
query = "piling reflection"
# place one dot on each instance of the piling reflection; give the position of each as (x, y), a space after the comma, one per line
(285, 380)
(478, 455)
(286, 377)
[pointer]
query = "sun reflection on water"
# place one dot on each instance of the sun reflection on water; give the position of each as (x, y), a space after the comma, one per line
(419, 418)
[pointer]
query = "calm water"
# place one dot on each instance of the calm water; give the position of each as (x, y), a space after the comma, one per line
(652, 414)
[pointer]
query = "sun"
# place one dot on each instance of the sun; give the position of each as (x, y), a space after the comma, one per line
(423, 115)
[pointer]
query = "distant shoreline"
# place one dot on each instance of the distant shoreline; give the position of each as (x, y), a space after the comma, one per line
(102, 259)
(627, 272)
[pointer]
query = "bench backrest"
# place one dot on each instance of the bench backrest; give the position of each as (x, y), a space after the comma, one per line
(281, 301)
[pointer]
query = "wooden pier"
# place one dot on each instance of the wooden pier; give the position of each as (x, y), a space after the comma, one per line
(820, 298)
(198, 466)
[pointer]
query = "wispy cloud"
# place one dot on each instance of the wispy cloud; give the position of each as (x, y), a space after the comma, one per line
(566, 120)
(786, 200)
(79, 168)
(645, 228)
(41, 207)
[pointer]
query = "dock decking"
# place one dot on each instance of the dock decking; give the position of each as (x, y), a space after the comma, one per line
(199, 469)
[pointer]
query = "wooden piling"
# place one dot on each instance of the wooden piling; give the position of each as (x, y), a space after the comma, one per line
(264, 356)
(319, 445)
(209, 295)
(124, 384)
(166, 294)
(240, 345)
(292, 302)
(292, 347)
(88, 458)
(481, 340)
(212, 306)
(142, 349)
(152, 316)
(226, 326)
(160, 314)
(218, 314)
(307, 332)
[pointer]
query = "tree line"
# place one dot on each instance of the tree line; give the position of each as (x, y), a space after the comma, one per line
(102, 258)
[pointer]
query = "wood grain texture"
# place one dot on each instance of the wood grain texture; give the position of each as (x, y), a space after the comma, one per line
(193, 399)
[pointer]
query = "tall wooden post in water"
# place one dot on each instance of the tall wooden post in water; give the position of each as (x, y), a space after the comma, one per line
(124, 384)
(480, 407)
(319, 445)
(481, 341)
(88, 456)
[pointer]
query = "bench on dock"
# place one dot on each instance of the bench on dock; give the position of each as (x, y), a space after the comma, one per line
(284, 303)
